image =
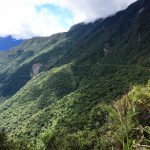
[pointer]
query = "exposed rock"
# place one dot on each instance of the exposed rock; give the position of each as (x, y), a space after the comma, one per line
(139, 39)
(106, 48)
(141, 10)
(105, 51)
(36, 68)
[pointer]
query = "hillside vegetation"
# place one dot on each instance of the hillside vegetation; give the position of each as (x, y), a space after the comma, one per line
(84, 89)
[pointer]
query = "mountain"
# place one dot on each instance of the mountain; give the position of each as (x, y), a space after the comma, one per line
(84, 89)
(8, 42)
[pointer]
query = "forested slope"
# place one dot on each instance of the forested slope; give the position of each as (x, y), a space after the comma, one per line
(62, 92)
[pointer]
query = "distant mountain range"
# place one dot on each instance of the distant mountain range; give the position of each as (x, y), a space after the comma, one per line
(8, 42)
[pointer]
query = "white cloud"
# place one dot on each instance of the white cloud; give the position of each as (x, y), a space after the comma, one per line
(21, 19)
(89, 10)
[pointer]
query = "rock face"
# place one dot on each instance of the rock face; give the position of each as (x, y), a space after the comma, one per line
(106, 48)
(141, 10)
(105, 51)
(35, 68)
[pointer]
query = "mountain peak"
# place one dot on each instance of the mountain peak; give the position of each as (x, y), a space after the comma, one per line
(8, 42)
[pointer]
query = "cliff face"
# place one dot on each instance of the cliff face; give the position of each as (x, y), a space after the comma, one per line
(36, 68)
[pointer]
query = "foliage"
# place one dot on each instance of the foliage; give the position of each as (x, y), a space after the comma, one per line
(116, 126)
(90, 91)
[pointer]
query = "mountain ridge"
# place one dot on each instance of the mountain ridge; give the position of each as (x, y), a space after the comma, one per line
(8, 42)
(64, 85)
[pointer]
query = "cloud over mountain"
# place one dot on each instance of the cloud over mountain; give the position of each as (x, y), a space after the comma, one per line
(21, 19)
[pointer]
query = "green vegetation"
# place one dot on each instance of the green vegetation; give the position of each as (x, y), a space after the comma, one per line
(67, 105)
(123, 125)
(6, 144)
(90, 92)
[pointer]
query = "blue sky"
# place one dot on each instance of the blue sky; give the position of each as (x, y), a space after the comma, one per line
(63, 13)
(25, 19)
